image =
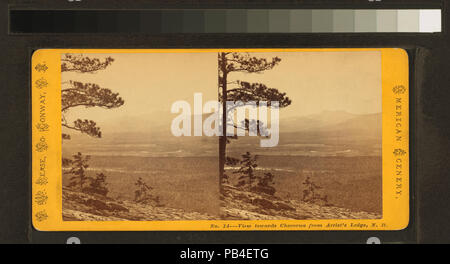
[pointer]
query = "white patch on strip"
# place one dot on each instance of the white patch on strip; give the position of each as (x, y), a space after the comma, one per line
(430, 20)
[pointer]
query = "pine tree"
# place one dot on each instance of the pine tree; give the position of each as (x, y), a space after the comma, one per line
(98, 185)
(241, 91)
(75, 94)
(78, 170)
(247, 170)
(144, 195)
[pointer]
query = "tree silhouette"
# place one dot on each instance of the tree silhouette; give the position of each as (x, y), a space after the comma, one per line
(98, 185)
(78, 169)
(143, 190)
(310, 194)
(249, 179)
(82, 64)
(266, 180)
(143, 193)
(75, 94)
(265, 184)
(244, 92)
(247, 170)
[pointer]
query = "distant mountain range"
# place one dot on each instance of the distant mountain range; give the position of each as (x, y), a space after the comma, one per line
(333, 121)
(334, 131)
(326, 134)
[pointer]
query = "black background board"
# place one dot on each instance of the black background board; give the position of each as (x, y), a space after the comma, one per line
(429, 116)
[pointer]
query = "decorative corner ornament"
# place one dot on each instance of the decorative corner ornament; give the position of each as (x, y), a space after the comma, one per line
(41, 197)
(42, 127)
(41, 67)
(41, 216)
(399, 152)
(399, 89)
(41, 83)
(42, 145)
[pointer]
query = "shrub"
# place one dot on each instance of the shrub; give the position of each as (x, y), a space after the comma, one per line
(78, 169)
(143, 194)
(265, 184)
(79, 164)
(310, 194)
(248, 177)
(247, 170)
(230, 161)
(98, 185)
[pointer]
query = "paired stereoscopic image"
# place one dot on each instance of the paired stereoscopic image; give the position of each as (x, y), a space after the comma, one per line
(221, 136)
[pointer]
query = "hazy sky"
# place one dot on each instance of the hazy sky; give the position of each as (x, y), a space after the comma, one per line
(315, 81)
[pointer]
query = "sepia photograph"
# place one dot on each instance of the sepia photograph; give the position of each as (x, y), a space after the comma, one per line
(327, 161)
(143, 136)
(120, 158)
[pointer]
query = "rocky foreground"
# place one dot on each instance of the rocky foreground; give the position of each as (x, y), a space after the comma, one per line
(79, 206)
(236, 204)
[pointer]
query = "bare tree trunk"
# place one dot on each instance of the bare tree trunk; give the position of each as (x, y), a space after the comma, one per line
(223, 137)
